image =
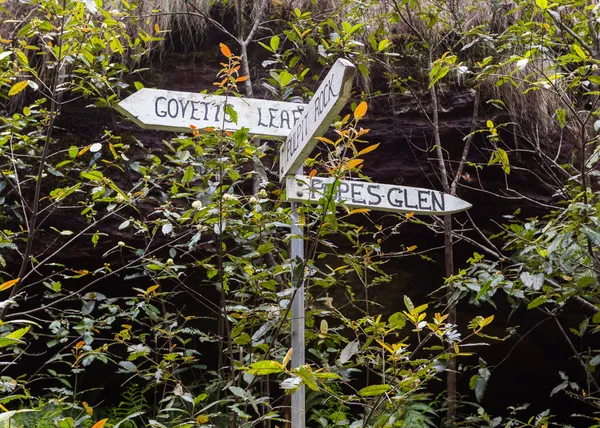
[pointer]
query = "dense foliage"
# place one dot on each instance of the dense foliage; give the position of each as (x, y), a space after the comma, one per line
(153, 287)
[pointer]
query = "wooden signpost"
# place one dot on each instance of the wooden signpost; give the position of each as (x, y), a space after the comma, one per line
(176, 111)
(322, 109)
(375, 196)
(300, 124)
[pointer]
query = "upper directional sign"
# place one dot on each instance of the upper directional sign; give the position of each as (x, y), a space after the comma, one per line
(324, 106)
(176, 111)
(375, 196)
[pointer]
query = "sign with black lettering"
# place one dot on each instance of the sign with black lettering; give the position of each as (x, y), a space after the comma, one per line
(375, 196)
(324, 106)
(176, 111)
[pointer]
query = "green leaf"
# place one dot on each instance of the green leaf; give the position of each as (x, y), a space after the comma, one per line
(73, 150)
(537, 302)
(592, 234)
(92, 175)
(17, 88)
(188, 175)
(542, 4)
(8, 342)
(231, 113)
(409, 304)
(579, 51)
(262, 368)
(17, 334)
(306, 374)
(274, 42)
(374, 390)
(138, 85)
(397, 321)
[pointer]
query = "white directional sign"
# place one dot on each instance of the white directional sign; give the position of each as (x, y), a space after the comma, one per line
(375, 196)
(176, 111)
(324, 106)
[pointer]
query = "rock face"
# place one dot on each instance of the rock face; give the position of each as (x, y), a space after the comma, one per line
(405, 157)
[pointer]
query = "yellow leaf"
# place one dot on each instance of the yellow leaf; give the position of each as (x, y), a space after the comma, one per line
(151, 289)
(202, 419)
(386, 347)
(411, 248)
(156, 28)
(359, 211)
(17, 87)
(326, 140)
(113, 151)
(287, 357)
(82, 151)
(100, 424)
(9, 284)
(354, 163)
(88, 409)
(368, 149)
(360, 111)
(225, 50)
(409, 215)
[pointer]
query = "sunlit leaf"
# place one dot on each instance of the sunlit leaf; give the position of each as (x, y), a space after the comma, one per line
(354, 162)
(225, 50)
(8, 284)
(100, 424)
(360, 110)
(368, 149)
(17, 87)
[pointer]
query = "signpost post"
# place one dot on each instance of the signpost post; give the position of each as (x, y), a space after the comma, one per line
(325, 105)
(176, 111)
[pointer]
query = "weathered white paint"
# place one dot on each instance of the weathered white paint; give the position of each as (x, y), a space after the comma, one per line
(324, 106)
(375, 196)
(176, 111)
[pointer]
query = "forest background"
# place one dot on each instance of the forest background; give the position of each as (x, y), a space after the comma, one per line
(146, 278)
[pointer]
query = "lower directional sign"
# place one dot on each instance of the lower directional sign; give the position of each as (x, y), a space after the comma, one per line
(375, 196)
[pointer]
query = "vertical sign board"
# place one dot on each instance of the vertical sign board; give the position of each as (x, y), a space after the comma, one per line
(318, 114)
(375, 196)
(176, 111)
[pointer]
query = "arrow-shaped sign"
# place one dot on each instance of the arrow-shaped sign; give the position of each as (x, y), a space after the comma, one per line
(176, 111)
(324, 106)
(375, 196)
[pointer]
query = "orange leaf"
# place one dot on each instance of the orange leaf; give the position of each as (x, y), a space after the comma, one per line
(79, 344)
(225, 50)
(312, 173)
(242, 78)
(100, 424)
(409, 215)
(360, 110)
(359, 211)
(8, 284)
(151, 289)
(354, 162)
(368, 149)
